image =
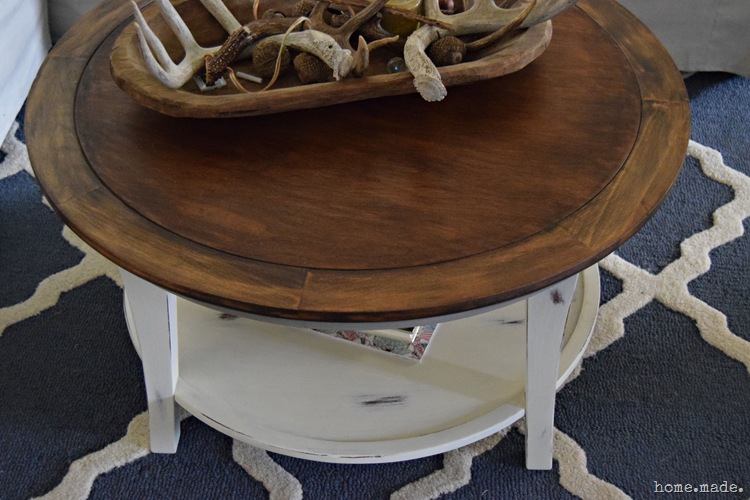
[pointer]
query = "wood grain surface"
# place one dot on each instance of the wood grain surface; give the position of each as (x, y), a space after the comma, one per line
(387, 209)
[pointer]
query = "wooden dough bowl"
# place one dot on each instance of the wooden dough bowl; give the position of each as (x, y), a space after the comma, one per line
(132, 76)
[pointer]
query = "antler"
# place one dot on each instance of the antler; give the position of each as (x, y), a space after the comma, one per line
(483, 16)
(222, 14)
(161, 65)
(165, 70)
(343, 33)
(322, 46)
(332, 44)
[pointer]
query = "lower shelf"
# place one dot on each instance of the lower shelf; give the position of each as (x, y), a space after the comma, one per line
(304, 394)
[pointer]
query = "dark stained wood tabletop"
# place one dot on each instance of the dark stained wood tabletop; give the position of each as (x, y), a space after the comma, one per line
(381, 210)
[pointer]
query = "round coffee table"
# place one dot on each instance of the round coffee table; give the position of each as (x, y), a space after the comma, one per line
(484, 214)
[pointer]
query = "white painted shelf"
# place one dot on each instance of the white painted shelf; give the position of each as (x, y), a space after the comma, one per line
(308, 395)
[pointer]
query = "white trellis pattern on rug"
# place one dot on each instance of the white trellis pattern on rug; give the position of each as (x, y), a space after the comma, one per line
(669, 287)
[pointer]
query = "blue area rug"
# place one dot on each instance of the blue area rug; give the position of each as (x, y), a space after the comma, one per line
(661, 402)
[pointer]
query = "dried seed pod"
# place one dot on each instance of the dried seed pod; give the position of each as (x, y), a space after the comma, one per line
(265, 54)
(446, 51)
(310, 69)
(303, 8)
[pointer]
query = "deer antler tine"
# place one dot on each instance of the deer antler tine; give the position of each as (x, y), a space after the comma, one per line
(361, 57)
(152, 43)
(165, 70)
(170, 78)
(177, 25)
(222, 14)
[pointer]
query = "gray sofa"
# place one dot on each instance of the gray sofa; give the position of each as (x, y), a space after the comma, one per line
(700, 35)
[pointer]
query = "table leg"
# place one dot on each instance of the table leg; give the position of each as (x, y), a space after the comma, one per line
(155, 322)
(547, 312)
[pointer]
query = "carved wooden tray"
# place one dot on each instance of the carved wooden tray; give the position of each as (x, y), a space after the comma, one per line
(131, 75)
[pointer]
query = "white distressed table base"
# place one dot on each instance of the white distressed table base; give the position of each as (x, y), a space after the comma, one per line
(296, 392)
(154, 326)
(546, 317)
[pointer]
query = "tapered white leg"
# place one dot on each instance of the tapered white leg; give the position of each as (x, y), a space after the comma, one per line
(155, 321)
(547, 312)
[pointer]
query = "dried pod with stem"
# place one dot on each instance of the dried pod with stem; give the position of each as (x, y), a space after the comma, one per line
(447, 50)
(311, 69)
(265, 55)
